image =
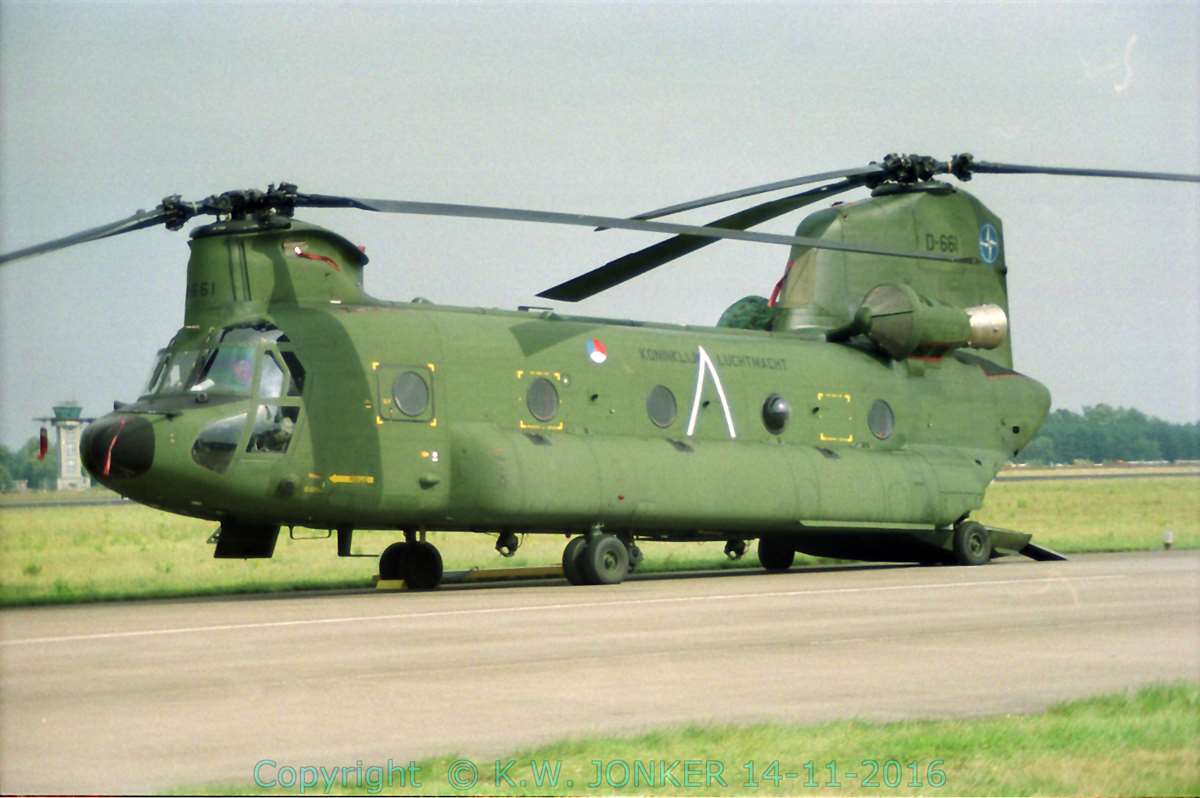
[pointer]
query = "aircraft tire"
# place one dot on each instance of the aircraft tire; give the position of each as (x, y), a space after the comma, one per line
(775, 554)
(393, 561)
(972, 544)
(605, 560)
(572, 563)
(635, 556)
(423, 567)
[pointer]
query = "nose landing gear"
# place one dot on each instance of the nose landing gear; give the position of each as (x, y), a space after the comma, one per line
(775, 554)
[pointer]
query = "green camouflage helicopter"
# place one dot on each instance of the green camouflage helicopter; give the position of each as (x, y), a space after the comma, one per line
(859, 412)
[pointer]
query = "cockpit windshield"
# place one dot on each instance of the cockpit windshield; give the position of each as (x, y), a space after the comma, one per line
(173, 371)
(227, 369)
(231, 368)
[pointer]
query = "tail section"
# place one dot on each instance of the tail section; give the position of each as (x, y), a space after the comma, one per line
(822, 289)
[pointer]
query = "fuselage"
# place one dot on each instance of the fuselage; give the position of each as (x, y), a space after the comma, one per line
(422, 416)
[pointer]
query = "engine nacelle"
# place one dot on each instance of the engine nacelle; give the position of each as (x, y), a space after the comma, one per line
(904, 323)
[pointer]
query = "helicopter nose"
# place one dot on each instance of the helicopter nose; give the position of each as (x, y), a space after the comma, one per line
(118, 446)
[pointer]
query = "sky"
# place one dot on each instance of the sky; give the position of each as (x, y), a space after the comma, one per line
(599, 109)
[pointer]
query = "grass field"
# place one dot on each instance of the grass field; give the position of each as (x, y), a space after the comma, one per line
(1100, 469)
(1098, 515)
(60, 554)
(49, 497)
(1142, 743)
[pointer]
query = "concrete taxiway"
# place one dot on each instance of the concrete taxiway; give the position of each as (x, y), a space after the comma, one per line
(137, 697)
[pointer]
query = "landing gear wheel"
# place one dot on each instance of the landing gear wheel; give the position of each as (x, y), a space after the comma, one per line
(972, 544)
(423, 570)
(775, 554)
(572, 563)
(394, 560)
(635, 556)
(605, 560)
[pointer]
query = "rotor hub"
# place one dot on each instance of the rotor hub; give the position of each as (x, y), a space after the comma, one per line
(262, 206)
(905, 169)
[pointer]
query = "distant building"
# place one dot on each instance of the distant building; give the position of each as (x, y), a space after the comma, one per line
(68, 426)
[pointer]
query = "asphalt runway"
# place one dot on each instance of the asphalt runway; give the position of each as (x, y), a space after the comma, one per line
(145, 696)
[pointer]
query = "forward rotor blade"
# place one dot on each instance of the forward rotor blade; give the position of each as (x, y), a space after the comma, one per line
(584, 220)
(638, 263)
(1013, 168)
(137, 221)
(858, 171)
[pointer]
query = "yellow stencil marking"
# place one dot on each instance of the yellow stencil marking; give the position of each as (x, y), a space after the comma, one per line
(821, 395)
(832, 439)
(552, 427)
(433, 423)
(431, 366)
(352, 479)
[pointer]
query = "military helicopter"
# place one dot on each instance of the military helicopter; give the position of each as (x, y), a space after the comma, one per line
(860, 411)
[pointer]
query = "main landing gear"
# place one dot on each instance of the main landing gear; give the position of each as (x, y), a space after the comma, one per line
(972, 543)
(599, 558)
(417, 562)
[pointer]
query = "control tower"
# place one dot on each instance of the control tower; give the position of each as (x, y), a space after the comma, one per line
(68, 426)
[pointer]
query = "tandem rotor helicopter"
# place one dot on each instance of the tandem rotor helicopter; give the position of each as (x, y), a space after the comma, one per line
(860, 411)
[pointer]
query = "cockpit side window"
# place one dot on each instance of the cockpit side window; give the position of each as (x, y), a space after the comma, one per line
(216, 444)
(296, 387)
(275, 422)
(273, 429)
(270, 377)
(177, 371)
(156, 373)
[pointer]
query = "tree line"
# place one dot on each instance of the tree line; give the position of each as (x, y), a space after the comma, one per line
(1103, 434)
(22, 464)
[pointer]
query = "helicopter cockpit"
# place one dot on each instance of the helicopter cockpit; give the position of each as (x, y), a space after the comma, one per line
(245, 362)
(226, 369)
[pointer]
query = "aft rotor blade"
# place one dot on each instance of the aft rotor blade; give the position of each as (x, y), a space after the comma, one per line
(137, 221)
(638, 263)
(585, 220)
(858, 171)
(1015, 168)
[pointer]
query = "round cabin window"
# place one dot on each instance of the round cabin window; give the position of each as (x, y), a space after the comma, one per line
(542, 399)
(660, 406)
(881, 420)
(775, 413)
(410, 393)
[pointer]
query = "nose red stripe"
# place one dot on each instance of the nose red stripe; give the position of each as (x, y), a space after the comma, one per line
(111, 445)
